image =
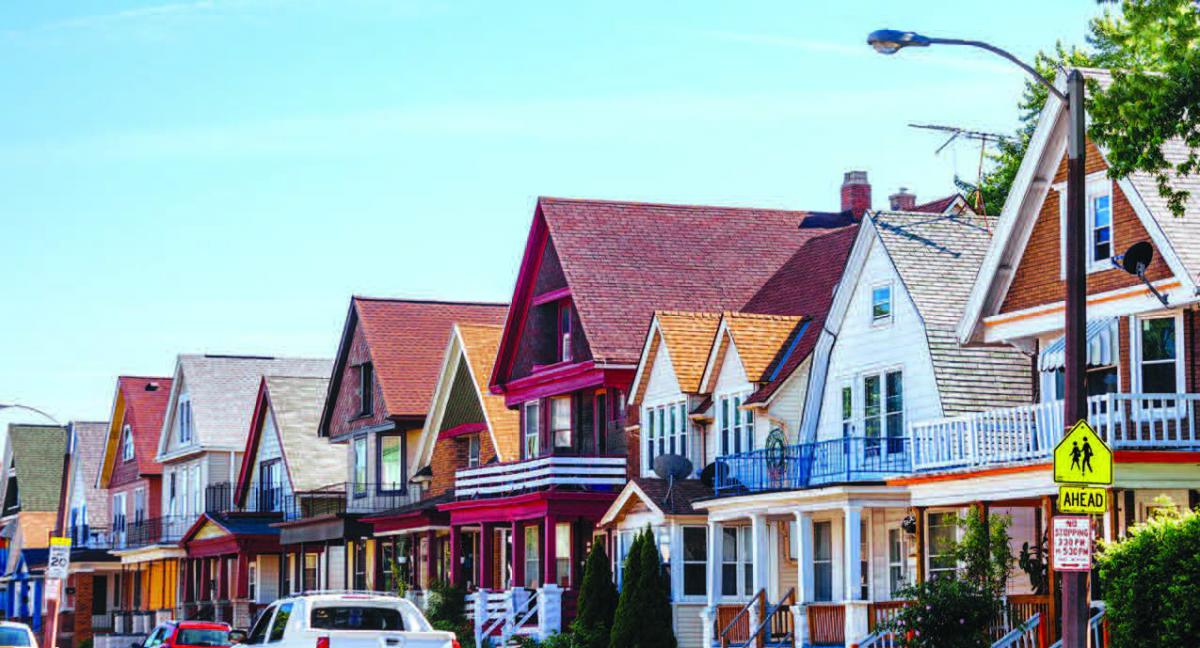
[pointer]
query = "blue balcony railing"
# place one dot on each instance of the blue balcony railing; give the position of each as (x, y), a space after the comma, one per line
(833, 461)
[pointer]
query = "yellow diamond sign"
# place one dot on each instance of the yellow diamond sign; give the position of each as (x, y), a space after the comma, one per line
(1082, 458)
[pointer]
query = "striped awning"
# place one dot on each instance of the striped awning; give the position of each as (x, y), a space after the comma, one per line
(1102, 347)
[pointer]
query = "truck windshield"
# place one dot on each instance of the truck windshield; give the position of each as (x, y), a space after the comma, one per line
(356, 617)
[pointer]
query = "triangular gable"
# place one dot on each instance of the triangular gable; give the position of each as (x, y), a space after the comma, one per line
(262, 404)
(1024, 208)
(205, 528)
(143, 409)
(631, 495)
(168, 422)
(758, 342)
(340, 362)
(686, 338)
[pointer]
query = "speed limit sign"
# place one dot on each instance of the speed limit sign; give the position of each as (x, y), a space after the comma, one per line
(59, 559)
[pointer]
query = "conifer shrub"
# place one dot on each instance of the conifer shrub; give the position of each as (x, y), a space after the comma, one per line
(593, 622)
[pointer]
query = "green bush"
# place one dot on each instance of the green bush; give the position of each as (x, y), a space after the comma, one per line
(643, 617)
(446, 609)
(945, 613)
(1151, 582)
(593, 622)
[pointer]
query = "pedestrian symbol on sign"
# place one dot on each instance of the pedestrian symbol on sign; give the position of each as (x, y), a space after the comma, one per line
(1082, 457)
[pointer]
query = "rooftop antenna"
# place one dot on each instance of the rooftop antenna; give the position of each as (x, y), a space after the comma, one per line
(672, 467)
(984, 138)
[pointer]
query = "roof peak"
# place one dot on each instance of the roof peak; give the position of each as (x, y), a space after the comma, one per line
(668, 205)
(408, 300)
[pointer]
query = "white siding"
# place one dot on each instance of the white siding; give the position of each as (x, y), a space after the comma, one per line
(863, 348)
(662, 386)
(689, 627)
(269, 448)
(787, 406)
(731, 380)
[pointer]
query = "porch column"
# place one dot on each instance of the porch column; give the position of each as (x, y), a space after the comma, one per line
(919, 513)
(485, 555)
(712, 574)
(243, 575)
(455, 556)
(804, 575)
(516, 555)
(549, 551)
(760, 556)
(430, 559)
(856, 608)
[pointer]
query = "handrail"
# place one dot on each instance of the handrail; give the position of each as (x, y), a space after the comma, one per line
(769, 616)
(1096, 630)
(1019, 637)
(760, 595)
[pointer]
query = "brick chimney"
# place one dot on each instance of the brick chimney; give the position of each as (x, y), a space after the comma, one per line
(902, 200)
(856, 193)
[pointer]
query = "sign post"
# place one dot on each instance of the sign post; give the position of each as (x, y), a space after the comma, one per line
(58, 564)
(1083, 463)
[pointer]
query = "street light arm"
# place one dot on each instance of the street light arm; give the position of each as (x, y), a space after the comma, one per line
(4, 406)
(1003, 53)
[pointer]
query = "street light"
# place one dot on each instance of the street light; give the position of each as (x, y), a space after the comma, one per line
(4, 406)
(890, 41)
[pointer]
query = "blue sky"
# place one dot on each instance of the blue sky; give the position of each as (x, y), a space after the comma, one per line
(218, 176)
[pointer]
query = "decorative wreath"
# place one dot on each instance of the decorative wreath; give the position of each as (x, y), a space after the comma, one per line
(776, 454)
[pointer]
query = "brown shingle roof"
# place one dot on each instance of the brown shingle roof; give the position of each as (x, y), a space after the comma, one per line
(480, 343)
(688, 337)
(407, 338)
(760, 338)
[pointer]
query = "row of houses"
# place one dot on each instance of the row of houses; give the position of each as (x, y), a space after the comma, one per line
(798, 404)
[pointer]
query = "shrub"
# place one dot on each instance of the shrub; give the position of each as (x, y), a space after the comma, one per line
(984, 550)
(945, 613)
(1151, 582)
(626, 619)
(643, 617)
(446, 609)
(597, 602)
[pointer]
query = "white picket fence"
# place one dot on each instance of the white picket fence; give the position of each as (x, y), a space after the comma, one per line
(1030, 432)
(517, 476)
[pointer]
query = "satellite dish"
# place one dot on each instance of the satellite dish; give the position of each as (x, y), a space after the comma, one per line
(708, 476)
(1135, 261)
(672, 466)
(1137, 258)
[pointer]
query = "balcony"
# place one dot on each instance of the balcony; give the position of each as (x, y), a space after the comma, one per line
(327, 500)
(90, 537)
(1030, 432)
(366, 497)
(501, 480)
(807, 465)
(151, 531)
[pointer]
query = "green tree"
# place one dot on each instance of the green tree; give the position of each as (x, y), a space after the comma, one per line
(625, 627)
(984, 551)
(643, 617)
(593, 622)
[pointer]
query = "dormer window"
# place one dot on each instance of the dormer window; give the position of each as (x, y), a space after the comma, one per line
(186, 429)
(127, 443)
(564, 331)
(881, 304)
(366, 389)
(1100, 219)
(1098, 202)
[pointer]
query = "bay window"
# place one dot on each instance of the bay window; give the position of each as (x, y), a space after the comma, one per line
(391, 462)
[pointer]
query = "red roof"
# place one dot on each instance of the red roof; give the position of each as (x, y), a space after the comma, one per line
(938, 206)
(144, 412)
(407, 339)
(624, 260)
(802, 286)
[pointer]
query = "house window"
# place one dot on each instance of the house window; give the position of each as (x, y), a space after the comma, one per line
(360, 466)
(695, 547)
(666, 432)
(897, 562)
(736, 568)
(1159, 370)
(473, 450)
(864, 553)
(562, 553)
(532, 557)
(310, 572)
(560, 421)
(360, 565)
(737, 426)
(1100, 217)
(366, 389)
(270, 485)
(564, 331)
(883, 410)
(139, 506)
(186, 429)
(127, 443)
(252, 580)
(823, 561)
(391, 462)
(847, 411)
(531, 429)
(118, 512)
(171, 485)
(881, 304)
(942, 536)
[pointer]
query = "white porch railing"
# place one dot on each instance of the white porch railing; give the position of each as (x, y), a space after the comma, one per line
(1030, 432)
(507, 478)
(499, 615)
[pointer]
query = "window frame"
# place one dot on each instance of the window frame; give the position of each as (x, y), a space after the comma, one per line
(885, 415)
(930, 556)
(1096, 185)
(735, 426)
(684, 563)
(667, 425)
(359, 487)
(366, 389)
(554, 430)
(741, 563)
(185, 421)
(531, 439)
(1135, 348)
(384, 487)
(127, 447)
(474, 451)
(818, 527)
(885, 319)
(564, 328)
(895, 584)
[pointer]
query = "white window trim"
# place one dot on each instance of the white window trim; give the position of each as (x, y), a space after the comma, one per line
(886, 321)
(957, 513)
(894, 592)
(743, 560)
(1096, 184)
(677, 558)
(536, 406)
(127, 443)
(719, 421)
(652, 433)
(858, 388)
(1135, 349)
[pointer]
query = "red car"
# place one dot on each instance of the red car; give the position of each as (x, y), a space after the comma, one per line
(191, 634)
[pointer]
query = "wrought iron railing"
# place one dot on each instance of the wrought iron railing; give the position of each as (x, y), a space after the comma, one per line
(87, 536)
(151, 531)
(790, 467)
(326, 500)
(372, 497)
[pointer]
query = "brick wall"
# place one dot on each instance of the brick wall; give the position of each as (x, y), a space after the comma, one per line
(345, 419)
(450, 455)
(1036, 281)
(83, 607)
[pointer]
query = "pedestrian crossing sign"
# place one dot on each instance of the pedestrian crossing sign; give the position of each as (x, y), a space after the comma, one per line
(1082, 457)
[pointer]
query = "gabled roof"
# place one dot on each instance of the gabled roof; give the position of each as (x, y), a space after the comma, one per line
(474, 344)
(954, 201)
(236, 524)
(657, 496)
(294, 403)
(760, 342)
(38, 454)
(937, 257)
(87, 455)
(223, 390)
(624, 260)
(1176, 238)
(142, 402)
(405, 338)
(688, 337)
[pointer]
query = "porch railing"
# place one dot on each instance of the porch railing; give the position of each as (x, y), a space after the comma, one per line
(826, 623)
(497, 480)
(1026, 635)
(368, 497)
(1030, 432)
(831, 461)
(152, 531)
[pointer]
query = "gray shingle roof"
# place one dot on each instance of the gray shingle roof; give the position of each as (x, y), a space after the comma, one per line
(223, 390)
(37, 455)
(296, 404)
(937, 257)
(89, 456)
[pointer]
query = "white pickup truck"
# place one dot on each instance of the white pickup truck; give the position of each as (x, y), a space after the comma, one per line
(345, 620)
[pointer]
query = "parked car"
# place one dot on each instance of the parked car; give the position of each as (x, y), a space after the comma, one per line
(16, 635)
(346, 620)
(191, 634)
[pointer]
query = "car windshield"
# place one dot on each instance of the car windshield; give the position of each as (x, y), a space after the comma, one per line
(356, 617)
(202, 637)
(13, 637)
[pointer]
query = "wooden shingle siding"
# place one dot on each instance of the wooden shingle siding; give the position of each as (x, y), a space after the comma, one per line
(1037, 281)
(463, 405)
(346, 405)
